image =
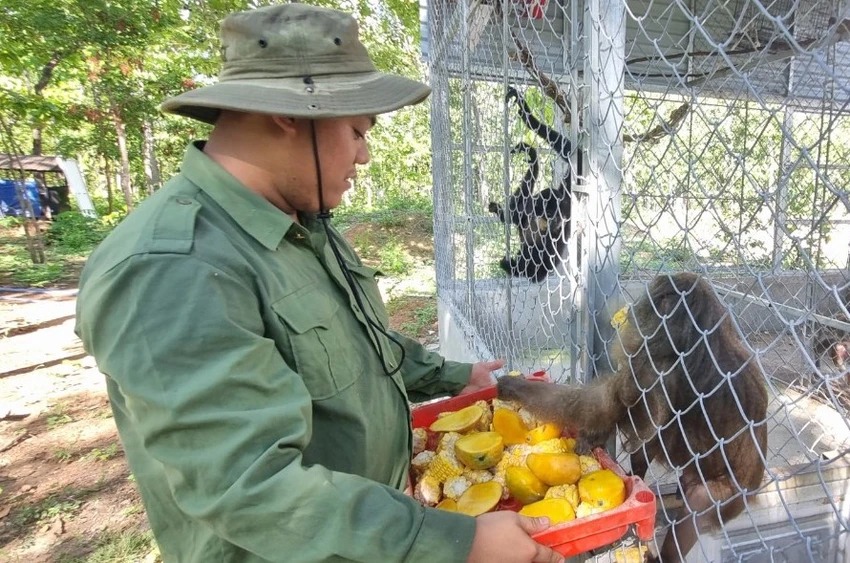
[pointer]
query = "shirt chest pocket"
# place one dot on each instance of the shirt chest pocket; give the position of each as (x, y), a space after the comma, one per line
(324, 354)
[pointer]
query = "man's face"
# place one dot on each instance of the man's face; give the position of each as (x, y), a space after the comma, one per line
(342, 147)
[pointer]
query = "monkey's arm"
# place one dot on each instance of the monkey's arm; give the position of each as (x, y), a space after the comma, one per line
(593, 410)
(559, 144)
(497, 209)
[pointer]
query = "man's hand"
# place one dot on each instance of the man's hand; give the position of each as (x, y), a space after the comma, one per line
(482, 376)
(506, 537)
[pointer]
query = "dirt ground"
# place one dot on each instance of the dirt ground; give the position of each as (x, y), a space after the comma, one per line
(65, 485)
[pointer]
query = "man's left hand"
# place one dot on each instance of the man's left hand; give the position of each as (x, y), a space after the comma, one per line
(482, 376)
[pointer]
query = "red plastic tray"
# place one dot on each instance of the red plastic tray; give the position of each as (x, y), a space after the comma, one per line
(583, 534)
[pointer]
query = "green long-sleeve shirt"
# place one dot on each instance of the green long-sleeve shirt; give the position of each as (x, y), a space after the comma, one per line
(246, 386)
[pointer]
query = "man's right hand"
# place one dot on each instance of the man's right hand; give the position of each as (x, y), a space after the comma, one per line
(505, 537)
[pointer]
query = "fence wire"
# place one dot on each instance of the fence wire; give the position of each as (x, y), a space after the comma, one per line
(584, 148)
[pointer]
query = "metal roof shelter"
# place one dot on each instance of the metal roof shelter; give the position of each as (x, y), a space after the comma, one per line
(66, 168)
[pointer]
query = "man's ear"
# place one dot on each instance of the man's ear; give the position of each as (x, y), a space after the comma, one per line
(288, 125)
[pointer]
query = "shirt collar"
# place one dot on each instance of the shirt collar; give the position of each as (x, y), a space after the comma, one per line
(252, 212)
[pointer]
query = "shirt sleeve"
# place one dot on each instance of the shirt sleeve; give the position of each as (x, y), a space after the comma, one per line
(211, 400)
(428, 375)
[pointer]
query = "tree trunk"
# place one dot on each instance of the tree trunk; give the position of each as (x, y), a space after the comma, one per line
(43, 81)
(110, 198)
(149, 158)
(36, 140)
(121, 135)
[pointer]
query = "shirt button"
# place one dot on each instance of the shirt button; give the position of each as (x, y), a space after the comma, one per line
(184, 201)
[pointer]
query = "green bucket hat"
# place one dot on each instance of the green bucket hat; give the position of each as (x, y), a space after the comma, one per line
(300, 61)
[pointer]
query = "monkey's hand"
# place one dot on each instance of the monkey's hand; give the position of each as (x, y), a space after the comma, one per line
(518, 389)
(494, 207)
(588, 439)
(512, 93)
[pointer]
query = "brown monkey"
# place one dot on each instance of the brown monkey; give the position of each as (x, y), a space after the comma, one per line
(687, 394)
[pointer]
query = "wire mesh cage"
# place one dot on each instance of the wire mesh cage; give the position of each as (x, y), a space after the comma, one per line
(583, 149)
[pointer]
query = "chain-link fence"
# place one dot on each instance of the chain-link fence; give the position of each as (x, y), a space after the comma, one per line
(583, 148)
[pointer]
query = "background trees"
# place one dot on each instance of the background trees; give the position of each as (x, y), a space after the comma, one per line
(83, 79)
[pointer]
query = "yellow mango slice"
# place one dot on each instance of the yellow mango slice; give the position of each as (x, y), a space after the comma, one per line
(558, 510)
(480, 498)
(480, 450)
(543, 432)
(509, 424)
(555, 468)
(458, 421)
(448, 504)
(524, 485)
(602, 489)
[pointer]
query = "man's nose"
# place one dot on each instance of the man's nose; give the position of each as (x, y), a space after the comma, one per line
(363, 156)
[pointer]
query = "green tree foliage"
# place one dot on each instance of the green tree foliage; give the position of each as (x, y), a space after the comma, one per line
(80, 73)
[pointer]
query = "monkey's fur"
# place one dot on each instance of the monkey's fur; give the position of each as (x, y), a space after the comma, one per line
(539, 217)
(678, 342)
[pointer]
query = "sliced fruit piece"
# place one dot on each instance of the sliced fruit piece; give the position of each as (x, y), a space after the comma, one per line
(480, 498)
(557, 509)
(543, 432)
(509, 424)
(458, 421)
(480, 450)
(602, 489)
(524, 485)
(448, 504)
(556, 468)
(620, 318)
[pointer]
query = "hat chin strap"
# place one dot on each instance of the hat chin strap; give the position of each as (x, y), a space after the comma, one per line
(323, 214)
(374, 326)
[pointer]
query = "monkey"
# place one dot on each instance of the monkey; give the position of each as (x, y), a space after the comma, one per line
(520, 204)
(539, 217)
(559, 143)
(686, 393)
(833, 342)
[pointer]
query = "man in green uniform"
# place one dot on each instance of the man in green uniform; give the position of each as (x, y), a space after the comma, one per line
(260, 396)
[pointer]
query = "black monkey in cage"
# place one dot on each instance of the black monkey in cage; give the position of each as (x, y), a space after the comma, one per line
(687, 393)
(539, 218)
(520, 204)
(543, 219)
(560, 144)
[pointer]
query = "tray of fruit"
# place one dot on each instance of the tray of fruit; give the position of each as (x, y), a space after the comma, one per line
(476, 453)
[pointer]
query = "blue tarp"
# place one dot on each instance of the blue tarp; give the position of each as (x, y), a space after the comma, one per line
(9, 204)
